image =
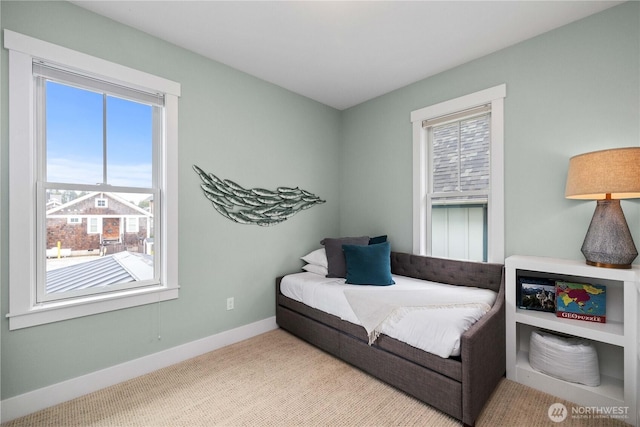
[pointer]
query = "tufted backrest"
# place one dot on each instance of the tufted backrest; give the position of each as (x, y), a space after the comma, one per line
(449, 271)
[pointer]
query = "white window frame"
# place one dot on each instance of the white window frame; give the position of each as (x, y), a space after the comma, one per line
(23, 309)
(74, 220)
(101, 203)
(495, 221)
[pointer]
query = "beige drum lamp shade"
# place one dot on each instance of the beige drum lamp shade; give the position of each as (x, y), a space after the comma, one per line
(594, 175)
(606, 176)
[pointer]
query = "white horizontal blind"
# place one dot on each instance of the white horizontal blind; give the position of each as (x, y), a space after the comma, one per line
(457, 116)
(85, 81)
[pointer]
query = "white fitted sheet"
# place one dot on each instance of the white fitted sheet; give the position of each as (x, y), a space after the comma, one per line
(436, 330)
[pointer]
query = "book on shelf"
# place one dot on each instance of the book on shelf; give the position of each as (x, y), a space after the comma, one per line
(536, 293)
(581, 301)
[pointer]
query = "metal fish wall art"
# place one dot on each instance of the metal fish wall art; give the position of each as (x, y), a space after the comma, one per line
(256, 205)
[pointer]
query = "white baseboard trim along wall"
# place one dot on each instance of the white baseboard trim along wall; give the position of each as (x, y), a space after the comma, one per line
(36, 400)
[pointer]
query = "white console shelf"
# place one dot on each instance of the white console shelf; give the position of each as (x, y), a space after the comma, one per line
(617, 341)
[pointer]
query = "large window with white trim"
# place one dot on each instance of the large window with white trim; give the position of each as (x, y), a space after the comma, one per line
(96, 143)
(458, 178)
(90, 140)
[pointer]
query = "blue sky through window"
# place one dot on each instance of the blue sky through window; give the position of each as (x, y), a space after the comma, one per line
(75, 138)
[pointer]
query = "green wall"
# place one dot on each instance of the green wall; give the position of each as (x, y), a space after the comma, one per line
(231, 124)
(572, 90)
(569, 91)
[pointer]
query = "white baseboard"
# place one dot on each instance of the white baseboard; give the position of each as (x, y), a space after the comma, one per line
(24, 404)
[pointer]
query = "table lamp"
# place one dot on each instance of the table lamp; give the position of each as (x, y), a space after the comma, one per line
(606, 176)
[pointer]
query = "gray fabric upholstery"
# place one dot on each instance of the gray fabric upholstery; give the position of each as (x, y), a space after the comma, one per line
(337, 266)
(457, 386)
(449, 271)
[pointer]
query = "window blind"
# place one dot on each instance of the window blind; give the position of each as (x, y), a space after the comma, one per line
(458, 115)
(61, 75)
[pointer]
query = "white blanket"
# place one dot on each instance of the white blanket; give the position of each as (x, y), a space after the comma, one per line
(436, 330)
(374, 307)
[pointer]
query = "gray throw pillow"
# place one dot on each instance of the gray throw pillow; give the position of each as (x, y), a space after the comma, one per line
(337, 266)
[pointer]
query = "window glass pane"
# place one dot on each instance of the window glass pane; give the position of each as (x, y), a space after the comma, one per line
(460, 152)
(445, 158)
(474, 154)
(75, 138)
(96, 241)
(129, 143)
(91, 248)
(459, 228)
(73, 134)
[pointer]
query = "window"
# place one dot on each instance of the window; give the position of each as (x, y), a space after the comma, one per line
(94, 225)
(132, 225)
(74, 120)
(458, 177)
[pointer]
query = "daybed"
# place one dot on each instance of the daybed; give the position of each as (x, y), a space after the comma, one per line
(458, 386)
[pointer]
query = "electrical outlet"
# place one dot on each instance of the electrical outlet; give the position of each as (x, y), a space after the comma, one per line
(230, 303)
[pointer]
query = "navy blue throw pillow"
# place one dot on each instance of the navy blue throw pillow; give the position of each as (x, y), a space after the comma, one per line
(368, 265)
(377, 239)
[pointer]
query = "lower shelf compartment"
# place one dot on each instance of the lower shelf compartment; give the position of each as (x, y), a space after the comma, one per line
(610, 392)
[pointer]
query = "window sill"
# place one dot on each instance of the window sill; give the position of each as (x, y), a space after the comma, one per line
(79, 307)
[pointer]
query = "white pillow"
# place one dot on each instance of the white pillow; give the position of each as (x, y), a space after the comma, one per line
(317, 257)
(570, 359)
(317, 269)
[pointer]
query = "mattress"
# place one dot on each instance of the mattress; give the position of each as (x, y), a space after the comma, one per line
(436, 329)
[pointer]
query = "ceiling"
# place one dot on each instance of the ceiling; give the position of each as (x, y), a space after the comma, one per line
(343, 53)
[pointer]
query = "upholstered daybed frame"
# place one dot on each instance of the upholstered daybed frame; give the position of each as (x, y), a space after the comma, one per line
(458, 386)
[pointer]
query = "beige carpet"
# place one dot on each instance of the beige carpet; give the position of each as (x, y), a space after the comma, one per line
(276, 379)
